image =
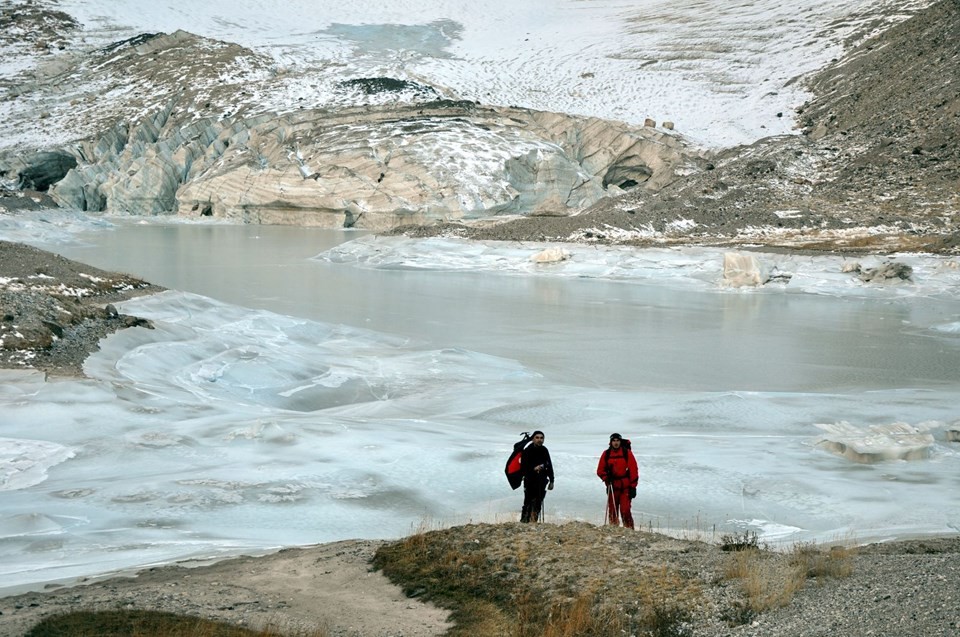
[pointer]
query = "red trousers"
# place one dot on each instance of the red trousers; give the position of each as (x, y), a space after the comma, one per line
(618, 506)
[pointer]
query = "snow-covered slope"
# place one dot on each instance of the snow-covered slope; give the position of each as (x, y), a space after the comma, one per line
(722, 71)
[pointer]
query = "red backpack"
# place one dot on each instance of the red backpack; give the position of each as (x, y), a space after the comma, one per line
(513, 469)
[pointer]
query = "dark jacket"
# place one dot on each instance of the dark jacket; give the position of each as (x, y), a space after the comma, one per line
(533, 457)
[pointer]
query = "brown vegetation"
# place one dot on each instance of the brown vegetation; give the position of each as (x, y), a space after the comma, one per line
(143, 623)
(520, 580)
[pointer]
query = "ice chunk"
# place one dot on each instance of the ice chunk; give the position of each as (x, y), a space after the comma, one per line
(953, 432)
(876, 443)
(550, 255)
(24, 463)
(741, 270)
(28, 524)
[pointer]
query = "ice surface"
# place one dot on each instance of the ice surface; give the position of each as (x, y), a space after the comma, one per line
(284, 400)
(391, 387)
(687, 267)
(49, 226)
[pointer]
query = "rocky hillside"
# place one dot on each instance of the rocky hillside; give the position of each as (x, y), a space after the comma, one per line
(877, 166)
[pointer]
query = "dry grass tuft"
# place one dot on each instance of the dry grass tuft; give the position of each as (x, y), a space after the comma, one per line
(742, 541)
(145, 623)
(665, 601)
(584, 615)
(815, 562)
(770, 580)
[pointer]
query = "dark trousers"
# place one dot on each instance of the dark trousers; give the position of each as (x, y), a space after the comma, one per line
(534, 491)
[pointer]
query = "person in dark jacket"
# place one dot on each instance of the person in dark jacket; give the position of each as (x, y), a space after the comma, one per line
(537, 478)
(618, 470)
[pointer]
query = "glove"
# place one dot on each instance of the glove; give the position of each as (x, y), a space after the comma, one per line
(633, 492)
(550, 486)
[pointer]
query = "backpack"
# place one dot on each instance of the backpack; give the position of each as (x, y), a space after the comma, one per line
(513, 469)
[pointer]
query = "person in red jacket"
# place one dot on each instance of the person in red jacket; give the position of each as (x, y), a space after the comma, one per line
(618, 470)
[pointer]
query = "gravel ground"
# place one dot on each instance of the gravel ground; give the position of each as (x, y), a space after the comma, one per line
(328, 588)
(900, 589)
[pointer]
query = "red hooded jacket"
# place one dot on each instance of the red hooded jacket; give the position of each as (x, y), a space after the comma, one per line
(619, 467)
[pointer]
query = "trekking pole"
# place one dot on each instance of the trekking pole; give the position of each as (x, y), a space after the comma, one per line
(612, 517)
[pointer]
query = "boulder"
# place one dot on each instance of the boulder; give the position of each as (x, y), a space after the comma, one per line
(16, 200)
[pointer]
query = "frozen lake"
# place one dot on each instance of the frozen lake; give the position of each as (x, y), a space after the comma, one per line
(305, 385)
